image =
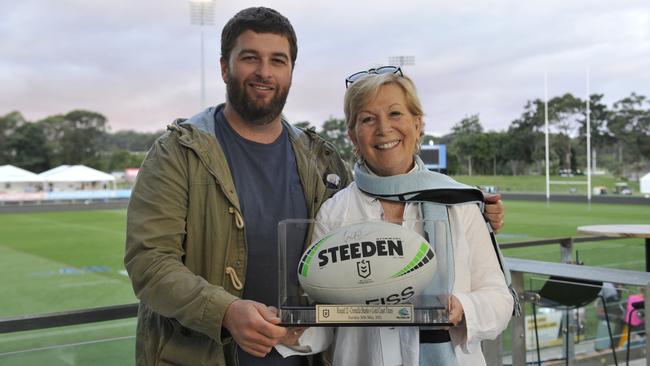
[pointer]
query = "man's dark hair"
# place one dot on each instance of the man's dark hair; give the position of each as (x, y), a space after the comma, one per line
(258, 20)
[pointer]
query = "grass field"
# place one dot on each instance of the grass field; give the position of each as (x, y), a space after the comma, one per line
(55, 261)
(535, 220)
(537, 183)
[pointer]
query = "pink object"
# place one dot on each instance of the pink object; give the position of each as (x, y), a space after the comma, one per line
(635, 321)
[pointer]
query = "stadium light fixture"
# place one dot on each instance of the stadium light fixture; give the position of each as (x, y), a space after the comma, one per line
(401, 60)
(202, 14)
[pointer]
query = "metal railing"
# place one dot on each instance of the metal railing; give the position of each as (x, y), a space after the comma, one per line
(567, 269)
(62, 319)
(572, 271)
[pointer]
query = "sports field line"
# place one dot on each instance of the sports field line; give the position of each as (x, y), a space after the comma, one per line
(90, 283)
(58, 332)
(67, 345)
(622, 264)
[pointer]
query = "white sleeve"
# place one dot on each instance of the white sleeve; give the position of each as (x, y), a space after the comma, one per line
(313, 340)
(487, 302)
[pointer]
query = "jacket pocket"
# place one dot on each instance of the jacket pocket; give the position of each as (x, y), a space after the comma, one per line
(189, 348)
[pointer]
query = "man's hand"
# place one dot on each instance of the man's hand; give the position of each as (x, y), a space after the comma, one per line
(494, 211)
(253, 326)
(293, 334)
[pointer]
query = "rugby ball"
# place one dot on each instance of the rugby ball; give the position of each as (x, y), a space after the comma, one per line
(367, 263)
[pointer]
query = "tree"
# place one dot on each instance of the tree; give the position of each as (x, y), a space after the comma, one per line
(630, 123)
(465, 142)
(53, 128)
(427, 139)
(8, 125)
(129, 140)
(336, 131)
(75, 137)
(565, 114)
(119, 160)
(599, 115)
(525, 139)
(30, 147)
(601, 138)
(303, 124)
(82, 133)
(491, 147)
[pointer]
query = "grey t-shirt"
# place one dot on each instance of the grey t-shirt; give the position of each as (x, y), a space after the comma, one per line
(269, 190)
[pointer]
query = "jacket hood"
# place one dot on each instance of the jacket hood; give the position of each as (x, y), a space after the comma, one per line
(204, 120)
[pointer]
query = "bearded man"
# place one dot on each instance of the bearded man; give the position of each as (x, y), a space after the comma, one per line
(202, 220)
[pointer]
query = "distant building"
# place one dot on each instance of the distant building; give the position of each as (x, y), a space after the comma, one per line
(130, 174)
(644, 184)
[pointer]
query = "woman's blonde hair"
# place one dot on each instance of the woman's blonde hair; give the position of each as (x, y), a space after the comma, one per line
(365, 89)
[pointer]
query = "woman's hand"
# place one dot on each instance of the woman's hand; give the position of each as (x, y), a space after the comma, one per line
(292, 336)
(456, 312)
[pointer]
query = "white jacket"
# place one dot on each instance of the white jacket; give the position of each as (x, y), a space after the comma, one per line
(479, 285)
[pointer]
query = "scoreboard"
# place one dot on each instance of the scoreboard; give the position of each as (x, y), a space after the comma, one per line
(434, 157)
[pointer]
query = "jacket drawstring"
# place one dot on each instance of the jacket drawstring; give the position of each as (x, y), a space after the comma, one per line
(236, 283)
(239, 221)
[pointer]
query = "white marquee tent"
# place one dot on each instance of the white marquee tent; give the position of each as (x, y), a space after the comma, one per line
(17, 180)
(77, 178)
(645, 184)
(53, 171)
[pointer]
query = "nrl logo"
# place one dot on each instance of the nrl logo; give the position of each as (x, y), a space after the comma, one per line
(363, 268)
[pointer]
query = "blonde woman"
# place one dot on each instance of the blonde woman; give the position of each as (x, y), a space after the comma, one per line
(385, 121)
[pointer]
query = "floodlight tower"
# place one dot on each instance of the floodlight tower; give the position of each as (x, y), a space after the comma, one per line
(401, 60)
(202, 14)
(588, 113)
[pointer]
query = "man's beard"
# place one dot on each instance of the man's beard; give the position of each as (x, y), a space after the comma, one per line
(250, 110)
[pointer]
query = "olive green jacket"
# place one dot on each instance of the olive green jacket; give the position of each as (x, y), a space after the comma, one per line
(186, 246)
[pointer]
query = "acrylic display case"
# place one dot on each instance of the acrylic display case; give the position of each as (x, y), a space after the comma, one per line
(297, 308)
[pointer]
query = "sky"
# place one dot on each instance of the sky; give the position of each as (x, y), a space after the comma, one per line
(138, 61)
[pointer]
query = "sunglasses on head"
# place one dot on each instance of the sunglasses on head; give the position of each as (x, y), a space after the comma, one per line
(378, 70)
